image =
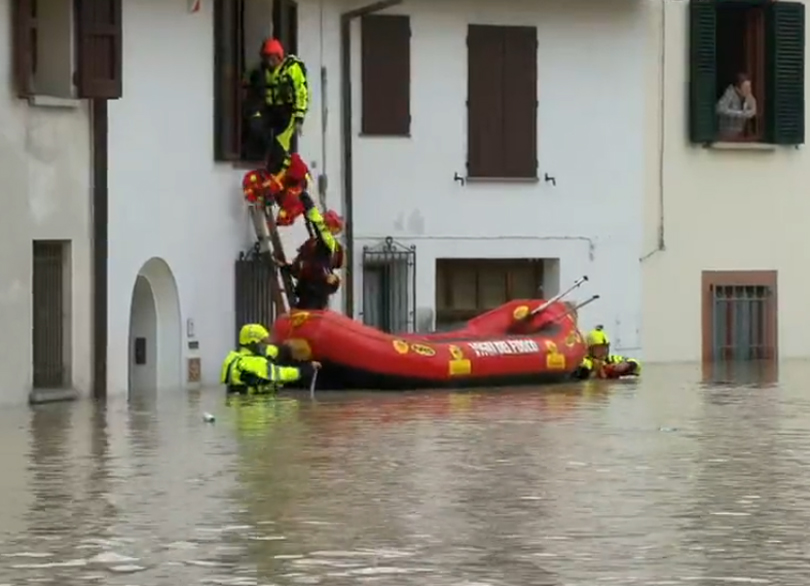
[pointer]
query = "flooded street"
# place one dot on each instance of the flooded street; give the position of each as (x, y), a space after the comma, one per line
(662, 481)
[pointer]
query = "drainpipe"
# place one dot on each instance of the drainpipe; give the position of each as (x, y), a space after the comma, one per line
(100, 198)
(662, 60)
(346, 134)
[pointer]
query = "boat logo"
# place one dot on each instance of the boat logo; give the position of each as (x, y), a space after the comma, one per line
(456, 352)
(572, 339)
(298, 318)
(401, 346)
(423, 350)
(520, 312)
(555, 362)
(504, 347)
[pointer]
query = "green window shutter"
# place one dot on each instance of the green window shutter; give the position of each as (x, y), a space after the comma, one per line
(702, 71)
(784, 102)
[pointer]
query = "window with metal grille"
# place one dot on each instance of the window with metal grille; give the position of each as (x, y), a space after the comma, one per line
(739, 315)
(389, 286)
(51, 314)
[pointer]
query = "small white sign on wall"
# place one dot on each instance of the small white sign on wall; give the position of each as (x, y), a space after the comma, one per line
(190, 328)
(194, 6)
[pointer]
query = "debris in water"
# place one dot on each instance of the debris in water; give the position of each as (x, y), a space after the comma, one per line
(667, 429)
(208, 418)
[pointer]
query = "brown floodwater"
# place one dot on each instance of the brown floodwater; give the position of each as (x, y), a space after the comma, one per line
(683, 477)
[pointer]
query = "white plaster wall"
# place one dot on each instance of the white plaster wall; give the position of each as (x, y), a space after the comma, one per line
(45, 188)
(590, 126)
(723, 210)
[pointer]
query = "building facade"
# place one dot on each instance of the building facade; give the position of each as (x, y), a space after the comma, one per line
(725, 250)
(45, 257)
(477, 212)
(478, 153)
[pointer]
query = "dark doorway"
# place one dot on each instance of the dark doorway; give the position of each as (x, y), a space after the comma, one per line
(49, 331)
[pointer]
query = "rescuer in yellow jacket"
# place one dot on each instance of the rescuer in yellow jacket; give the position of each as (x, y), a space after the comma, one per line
(258, 367)
(600, 363)
(280, 83)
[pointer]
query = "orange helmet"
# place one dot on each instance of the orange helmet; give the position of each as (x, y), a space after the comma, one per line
(254, 184)
(272, 47)
(333, 221)
(298, 170)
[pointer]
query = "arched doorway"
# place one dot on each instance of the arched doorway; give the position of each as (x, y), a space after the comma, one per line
(155, 331)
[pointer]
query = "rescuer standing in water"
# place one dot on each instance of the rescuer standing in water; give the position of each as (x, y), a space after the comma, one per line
(259, 367)
(280, 82)
(600, 363)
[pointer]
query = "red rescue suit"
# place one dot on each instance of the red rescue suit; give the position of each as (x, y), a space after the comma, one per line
(317, 260)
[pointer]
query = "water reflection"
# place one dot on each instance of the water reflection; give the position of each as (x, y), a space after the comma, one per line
(675, 478)
(741, 373)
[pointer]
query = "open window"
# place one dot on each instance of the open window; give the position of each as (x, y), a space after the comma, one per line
(757, 40)
(67, 49)
(240, 26)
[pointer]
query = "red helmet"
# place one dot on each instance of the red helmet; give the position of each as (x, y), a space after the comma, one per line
(333, 221)
(254, 184)
(272, 47)
(298, 170)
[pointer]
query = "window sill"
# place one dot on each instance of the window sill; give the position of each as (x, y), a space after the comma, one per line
(249, 165)
(372, 135)
(502, 179)
(741, 146)
(54, 102)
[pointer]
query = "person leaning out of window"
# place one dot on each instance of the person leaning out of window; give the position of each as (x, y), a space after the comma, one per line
(736, 108)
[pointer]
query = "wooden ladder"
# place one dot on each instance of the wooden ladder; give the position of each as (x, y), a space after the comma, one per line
(270, 246)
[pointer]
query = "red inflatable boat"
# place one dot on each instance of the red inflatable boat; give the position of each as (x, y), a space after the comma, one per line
(505, 346)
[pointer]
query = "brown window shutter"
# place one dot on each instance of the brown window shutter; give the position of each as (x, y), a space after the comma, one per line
(386, 75)
(99, 48)
(485, 101)
(24, 25)
(520, 102)
(227, 80)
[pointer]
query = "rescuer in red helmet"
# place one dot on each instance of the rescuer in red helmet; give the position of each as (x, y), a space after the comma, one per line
(316, 262)
(280, 83)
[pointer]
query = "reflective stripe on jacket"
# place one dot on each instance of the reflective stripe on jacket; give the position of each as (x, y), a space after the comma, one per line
(286, 85)
(243, 371)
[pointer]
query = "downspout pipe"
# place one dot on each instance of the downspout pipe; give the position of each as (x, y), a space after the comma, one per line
(100, 264)
(662, 105)
(346, 135)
